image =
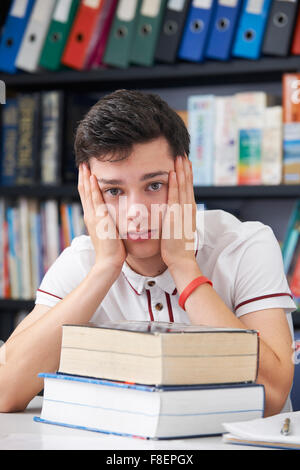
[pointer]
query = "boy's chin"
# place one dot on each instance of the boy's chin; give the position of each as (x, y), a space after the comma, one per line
(144, 249)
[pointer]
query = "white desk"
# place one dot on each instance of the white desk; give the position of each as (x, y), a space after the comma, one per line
(18, 431)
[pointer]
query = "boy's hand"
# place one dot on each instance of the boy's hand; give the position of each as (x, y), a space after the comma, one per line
(180, 216)
(110, 249)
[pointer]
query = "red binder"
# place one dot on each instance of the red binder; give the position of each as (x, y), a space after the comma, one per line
(82, 33)
(98, 46)
(295, 49)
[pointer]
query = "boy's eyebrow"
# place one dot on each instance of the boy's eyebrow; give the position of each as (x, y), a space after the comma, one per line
(143, 178)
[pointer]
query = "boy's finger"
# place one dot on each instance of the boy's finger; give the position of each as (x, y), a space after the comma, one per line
(181, 178)
(173, 196)
(80, 187)
(96, 194)
(89, 206)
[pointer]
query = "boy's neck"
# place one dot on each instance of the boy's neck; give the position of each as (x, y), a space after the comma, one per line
(149, 267)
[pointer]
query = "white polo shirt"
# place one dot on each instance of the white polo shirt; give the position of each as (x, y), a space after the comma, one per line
(243, 260)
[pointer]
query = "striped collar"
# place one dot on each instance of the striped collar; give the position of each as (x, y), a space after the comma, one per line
(165, 281)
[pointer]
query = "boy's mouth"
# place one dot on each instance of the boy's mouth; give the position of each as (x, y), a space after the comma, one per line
(146, 235)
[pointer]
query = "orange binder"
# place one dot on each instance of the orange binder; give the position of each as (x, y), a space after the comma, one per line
(82, 33)
(295, 49)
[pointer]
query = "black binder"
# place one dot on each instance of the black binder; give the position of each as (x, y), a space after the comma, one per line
(171, 32)
(280, 27)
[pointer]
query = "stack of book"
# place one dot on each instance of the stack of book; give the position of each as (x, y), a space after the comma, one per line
(153, 380)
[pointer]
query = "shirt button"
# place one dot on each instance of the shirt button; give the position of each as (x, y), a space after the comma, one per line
(159, 306)
(151, 283)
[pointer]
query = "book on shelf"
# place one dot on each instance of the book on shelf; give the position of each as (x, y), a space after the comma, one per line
(143, 411)
(33, 234)
(250, 108)
(159, 353)
(291, 128)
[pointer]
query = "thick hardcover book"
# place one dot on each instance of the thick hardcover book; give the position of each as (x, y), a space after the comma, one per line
(52, 124)
(160, 353)
(28, 150)
(144, 411)
(8, 142)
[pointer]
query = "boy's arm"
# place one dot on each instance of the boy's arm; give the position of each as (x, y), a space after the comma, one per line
(35, 346)
(276, 367)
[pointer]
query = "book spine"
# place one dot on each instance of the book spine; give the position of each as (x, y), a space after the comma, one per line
(25, 249)
(201, 128)
(51, 142)
(28, 163)
(250, 115)
(225, 156)
(295, 282)
(9, 140)
(272, 148)
(6, 273)
(2, 218)
(34, 247)
(52, 231)
(12, 256)
(291, 128)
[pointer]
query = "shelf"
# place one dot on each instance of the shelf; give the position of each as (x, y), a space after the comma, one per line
(182, 73)
(201, 192)
(16, 305)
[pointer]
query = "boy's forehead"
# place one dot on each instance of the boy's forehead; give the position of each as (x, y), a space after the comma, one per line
(152, 156)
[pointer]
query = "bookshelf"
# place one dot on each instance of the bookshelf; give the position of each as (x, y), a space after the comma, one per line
(201, 192)
(180, 74)
(210, 75)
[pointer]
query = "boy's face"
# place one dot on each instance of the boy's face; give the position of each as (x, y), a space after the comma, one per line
(130, 192)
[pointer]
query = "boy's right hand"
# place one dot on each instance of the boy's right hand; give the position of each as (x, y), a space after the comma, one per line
(109, 251)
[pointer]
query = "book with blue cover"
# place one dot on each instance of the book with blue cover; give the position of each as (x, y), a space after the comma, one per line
(149, 412)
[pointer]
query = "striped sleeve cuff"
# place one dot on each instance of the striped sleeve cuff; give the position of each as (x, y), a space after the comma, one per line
(46, 298)
(276, 300)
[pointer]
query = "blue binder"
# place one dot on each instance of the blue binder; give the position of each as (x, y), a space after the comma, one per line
(224, 26)
(196, 30)
(13, 33)
(251, 29)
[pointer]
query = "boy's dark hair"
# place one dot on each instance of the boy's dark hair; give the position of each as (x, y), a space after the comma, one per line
(125, 118)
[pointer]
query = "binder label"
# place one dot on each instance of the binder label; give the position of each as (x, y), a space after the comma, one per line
(150, 8)
(19, 8)
(126, 10)
(205, 4)
(62, 11)
(176, 5)
(255, 7)
(2, 92)
(41, 10)
(92, 3)
(228, 3)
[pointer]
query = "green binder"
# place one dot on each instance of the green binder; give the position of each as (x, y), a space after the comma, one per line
(58, 33)
(148, 29)
(122, 34)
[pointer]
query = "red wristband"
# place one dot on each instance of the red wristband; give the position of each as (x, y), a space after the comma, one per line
(191, 287)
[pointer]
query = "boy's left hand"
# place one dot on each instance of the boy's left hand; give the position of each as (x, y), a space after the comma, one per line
(179, 222)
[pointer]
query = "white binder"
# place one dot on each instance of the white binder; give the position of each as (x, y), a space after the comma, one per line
(35, 35)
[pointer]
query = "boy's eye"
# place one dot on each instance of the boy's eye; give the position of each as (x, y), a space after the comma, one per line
(155, 184)
(114, 191)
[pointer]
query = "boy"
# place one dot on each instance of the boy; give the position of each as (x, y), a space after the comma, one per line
(132, 148)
